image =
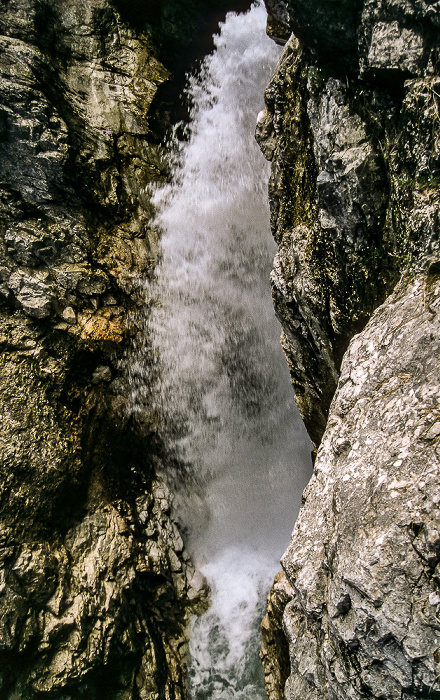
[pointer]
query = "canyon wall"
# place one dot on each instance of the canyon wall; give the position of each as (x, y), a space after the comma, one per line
(352, 130)
(95, 586)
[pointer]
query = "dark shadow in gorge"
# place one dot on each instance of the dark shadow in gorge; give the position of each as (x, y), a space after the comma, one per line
(182, 35)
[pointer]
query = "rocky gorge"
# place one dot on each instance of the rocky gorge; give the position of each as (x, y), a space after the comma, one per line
(96, 585)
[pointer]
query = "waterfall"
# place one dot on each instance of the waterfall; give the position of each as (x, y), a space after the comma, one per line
(242, 456)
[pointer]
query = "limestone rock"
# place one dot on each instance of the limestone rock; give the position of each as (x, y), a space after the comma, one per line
(95, 584)
(69, 315)
(89, 82)
(364, 554)
(400, 37)
(325, 25)
(274, 648)
(376, 33)
(101, 374)
(277, 21)
(351, 127)
(353, 190)
(395, 48)
(69, 605)
(88, 580)
(328, 207)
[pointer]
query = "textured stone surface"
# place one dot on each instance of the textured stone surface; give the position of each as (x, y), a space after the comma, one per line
(395, 48)
(354, 201)
(95, 585)
(324, 25)
(274, 648)
(88, 609)
(374, 32)
(352, 129)
(364, 555)
(398, 36)
(94, 582)
(76, 90)
(328, 205)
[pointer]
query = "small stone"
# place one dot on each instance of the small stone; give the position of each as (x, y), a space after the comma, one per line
(433, 432)
(35, 306)
(33, 292)
(175, 563)
(102, 374)
(69, 315)
(434, 598)
(197, 583)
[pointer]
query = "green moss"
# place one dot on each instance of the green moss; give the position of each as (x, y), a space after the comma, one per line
(316, 77)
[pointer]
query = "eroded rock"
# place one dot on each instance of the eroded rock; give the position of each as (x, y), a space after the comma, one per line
(95, 582)
(274, 648)
(353, 140)
(328, 205)
(363, 556)
(90, 82)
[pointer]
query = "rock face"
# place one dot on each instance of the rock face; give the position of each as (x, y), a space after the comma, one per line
(328, 202)
(364, 555)
(352, 130)
(95, 586)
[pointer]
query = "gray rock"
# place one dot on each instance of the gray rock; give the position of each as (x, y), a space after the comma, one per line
(328, 194)
(69, 315)
(363, 556)
(274, 647)
(82, 602)
(101, 374)
(57, 174)
(33, 293)
(278, 21)
(395, 48)
(372, 33)
(398, 36)
(94, 590)
(29, 245)
(351, 128)
(325, 25)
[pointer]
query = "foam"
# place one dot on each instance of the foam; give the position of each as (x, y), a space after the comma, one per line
(224, 390)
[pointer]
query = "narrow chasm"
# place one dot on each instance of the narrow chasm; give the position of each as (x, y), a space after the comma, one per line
(237, 456)
(152, 451)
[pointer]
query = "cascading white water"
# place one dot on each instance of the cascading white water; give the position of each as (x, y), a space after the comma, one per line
(224, 392)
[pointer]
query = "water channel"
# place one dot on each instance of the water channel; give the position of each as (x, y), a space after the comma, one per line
(224, 390)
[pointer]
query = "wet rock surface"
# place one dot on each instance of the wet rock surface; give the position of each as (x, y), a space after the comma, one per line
(274, 652)
(76, 152)
(95, 585)
(351, 127)
(328, 206)
(95, 582)
(354, 196)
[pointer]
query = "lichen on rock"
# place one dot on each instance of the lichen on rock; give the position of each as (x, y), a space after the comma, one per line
(364, 552)
(328, 205)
